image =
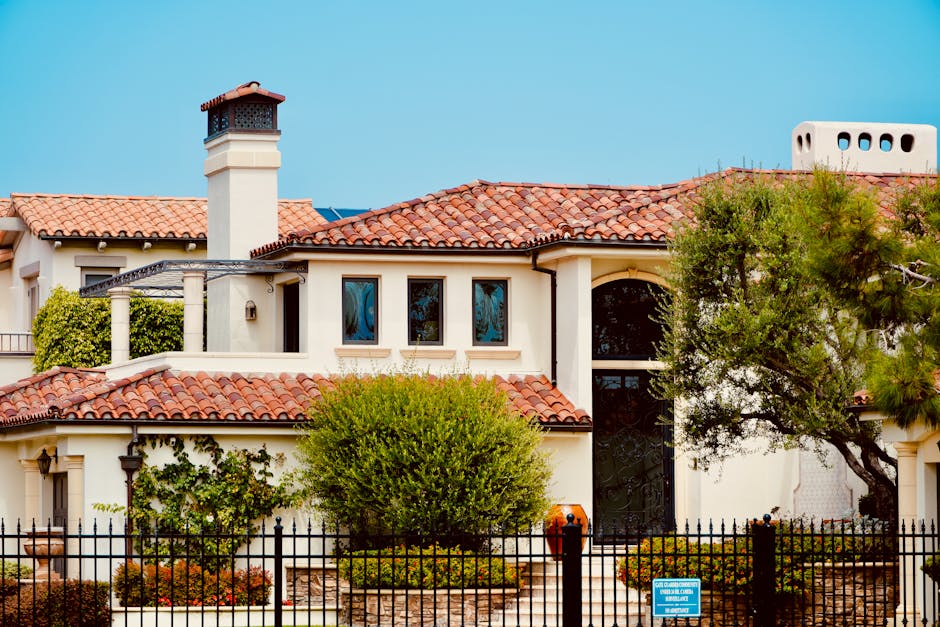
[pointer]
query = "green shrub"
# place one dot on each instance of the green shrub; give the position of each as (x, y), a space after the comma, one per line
(422, 457)
(76, 332)
(15, 570)
(425, 568)
(70, 603)
(726, 566)
(187, 584)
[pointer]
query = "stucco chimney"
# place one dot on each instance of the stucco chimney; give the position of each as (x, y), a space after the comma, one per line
(865, 147)
(241, 167)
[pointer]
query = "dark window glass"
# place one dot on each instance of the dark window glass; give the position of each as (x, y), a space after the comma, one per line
(624, 319)
(360, 311)
(490, 311)
(90, 277)
(425, 319)
(291, 292)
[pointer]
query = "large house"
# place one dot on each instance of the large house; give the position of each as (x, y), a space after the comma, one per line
(547, 288)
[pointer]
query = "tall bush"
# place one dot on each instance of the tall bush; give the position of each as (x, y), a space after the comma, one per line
(422, 457)
(76, 332)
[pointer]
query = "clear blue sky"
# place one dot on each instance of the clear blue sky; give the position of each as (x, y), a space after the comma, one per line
(387, 101)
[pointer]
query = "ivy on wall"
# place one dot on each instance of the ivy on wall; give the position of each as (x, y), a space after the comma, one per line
(204, 512)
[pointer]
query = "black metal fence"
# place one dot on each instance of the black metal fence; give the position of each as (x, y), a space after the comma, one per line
(761, 573)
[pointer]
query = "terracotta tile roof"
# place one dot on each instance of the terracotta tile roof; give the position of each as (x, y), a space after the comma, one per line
(535, 397)
(6, 208)
(518, 216)
(140, 217)
(27, 398)
(245, 89)
(163, 394)
(485, 215)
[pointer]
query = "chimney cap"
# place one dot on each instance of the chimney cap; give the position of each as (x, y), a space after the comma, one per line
(245, 89)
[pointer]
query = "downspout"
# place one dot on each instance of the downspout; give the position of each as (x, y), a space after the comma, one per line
(554, 312)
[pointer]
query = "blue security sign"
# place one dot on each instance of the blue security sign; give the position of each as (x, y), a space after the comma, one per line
(677, 598)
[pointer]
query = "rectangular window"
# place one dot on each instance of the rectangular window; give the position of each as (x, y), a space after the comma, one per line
(490, 312)
(360, 310)
(425, 311)
(90, 276)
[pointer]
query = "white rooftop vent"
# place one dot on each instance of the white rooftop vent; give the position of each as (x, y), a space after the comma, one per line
(865, 147)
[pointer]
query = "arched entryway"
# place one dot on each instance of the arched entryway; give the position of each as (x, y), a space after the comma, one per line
(633, 466)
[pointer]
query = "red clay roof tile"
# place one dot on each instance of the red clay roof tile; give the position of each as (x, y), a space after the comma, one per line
(140, 217)
(162, 394)
(518, 216)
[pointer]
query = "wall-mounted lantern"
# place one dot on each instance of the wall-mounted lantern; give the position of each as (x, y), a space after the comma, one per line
(251, 310)
(45, 461)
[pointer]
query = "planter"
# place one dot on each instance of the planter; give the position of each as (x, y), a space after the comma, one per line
(370, 608)
(44, 543)
(558, 518)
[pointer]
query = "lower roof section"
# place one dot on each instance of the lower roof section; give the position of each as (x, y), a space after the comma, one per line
(163, 395)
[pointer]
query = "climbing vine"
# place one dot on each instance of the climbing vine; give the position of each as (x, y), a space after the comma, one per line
(204, 512)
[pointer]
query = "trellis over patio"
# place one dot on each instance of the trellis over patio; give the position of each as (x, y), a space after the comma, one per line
(175, 279)
(842, 572)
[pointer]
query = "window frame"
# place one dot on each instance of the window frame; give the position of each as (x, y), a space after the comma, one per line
(96, 271)
(414, 341)
(505, 314)
(374, 281)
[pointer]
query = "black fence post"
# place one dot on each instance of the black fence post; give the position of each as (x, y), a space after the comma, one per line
(278, 572)
(764, 579)
(571, 573)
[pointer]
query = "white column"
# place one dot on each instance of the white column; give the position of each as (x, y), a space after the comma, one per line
(75, 467)
(907, 519)
(193, 282)
(32, 480)
(120, 324)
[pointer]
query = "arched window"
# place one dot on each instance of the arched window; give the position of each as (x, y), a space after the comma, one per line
(624, 316)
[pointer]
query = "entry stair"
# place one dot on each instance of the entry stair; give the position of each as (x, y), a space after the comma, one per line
(605, 602)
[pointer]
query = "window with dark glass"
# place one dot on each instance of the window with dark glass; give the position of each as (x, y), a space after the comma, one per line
(624, 315)
(360, 310)
(490, 311)
(425, 311)
(91, 276)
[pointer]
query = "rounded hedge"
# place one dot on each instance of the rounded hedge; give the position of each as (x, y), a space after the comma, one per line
(422, 457)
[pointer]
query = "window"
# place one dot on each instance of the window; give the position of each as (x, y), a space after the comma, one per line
(360, 310)
(490, 311)
(290, 293)
(425, 311)
(95, 275)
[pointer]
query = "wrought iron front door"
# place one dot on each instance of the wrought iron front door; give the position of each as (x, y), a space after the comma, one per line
(633, 461)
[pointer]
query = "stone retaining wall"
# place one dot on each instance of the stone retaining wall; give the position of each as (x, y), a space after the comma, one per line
(369, 608)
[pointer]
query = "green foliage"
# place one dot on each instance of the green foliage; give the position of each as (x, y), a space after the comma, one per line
(767, 334)
(425, 568)
(726, 566)
(931, 567)
(204, 512)
(422, 457)
(70, 603)
(71, 331)
(15, 570)
(76, 332)
(187, 584)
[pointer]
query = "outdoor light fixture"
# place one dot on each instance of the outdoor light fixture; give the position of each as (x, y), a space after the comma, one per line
(45, 461)
(251, 310)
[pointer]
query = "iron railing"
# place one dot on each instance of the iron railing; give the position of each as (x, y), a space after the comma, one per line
(16, 343)
(763, 573)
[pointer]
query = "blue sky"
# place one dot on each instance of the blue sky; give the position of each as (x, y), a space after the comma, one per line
(387, 101)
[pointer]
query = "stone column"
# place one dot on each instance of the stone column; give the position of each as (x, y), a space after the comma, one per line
(120, 324)
(32, 492)
(907, 519)
(193, 282)
(75, 467)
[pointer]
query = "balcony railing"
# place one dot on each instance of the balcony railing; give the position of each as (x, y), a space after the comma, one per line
(16, 344)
